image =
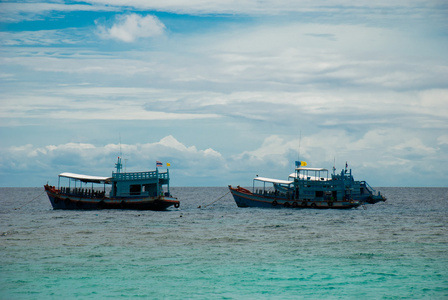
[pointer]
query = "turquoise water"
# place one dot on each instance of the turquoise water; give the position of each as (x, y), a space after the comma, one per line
(392, 250)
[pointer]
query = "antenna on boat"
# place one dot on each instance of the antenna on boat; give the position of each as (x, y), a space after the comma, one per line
(300, 142)
(119, 137)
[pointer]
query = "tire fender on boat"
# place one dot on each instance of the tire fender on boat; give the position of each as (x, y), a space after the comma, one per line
(286, 204)
(304, 204)
(274, 203)
(330, 203)
(295, 204)
(313, 205)
(176, 205)
(56, 200)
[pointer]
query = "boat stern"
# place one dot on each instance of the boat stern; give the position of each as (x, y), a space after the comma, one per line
(372, 199)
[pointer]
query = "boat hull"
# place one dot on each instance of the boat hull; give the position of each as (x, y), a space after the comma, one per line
(245, 198)
(372, 199)
(59, 200)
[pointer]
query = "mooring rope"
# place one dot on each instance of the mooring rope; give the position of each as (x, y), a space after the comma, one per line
(29, 201)
(215, 200)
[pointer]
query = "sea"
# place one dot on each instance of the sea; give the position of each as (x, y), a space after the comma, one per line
(209, 248)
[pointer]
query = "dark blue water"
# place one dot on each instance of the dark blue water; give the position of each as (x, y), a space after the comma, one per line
(392, 250)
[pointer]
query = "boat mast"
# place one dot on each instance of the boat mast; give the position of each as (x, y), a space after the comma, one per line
(334, 166)
(158, 182)
(168, 176)
(118, 165)
(298, 163)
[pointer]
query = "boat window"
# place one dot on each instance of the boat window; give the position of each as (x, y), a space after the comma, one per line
(319, 193)
(135, 189)
(148, 187)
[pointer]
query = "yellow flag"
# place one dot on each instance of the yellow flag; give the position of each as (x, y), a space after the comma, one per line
(168, 164)
(303, 164)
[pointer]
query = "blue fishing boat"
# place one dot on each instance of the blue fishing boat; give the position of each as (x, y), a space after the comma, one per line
(307, 188)
(123, 190)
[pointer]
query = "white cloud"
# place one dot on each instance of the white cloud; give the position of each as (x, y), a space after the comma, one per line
(435, 101)
(274, 149)
(92, 159)
(223, 6)
(128, 28)
(376, 152)
(42, 37)
(443, 140)
(19, 11)
(270, 7)
(86, 103)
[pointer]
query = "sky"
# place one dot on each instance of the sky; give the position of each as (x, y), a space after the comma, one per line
(224, 90)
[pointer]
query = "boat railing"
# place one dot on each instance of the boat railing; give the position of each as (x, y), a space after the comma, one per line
(140, 175)
(91, 193)
(142, 194)
(368, 187)
(273, 193)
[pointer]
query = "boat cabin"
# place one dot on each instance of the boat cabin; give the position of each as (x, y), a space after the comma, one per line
(141, 184)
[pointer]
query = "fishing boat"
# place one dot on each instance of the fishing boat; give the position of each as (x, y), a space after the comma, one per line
(123, 190)
(307, 188)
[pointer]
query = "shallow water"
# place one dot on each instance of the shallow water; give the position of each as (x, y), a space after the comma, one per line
(391, 250)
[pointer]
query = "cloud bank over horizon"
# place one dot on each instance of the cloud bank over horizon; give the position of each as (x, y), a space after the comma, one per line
(195, 167)
(223, 91)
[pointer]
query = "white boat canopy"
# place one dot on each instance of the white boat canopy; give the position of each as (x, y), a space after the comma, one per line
(310, 169)
(312, 178)
(278, 181)
(86, 178)
(303, 173)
